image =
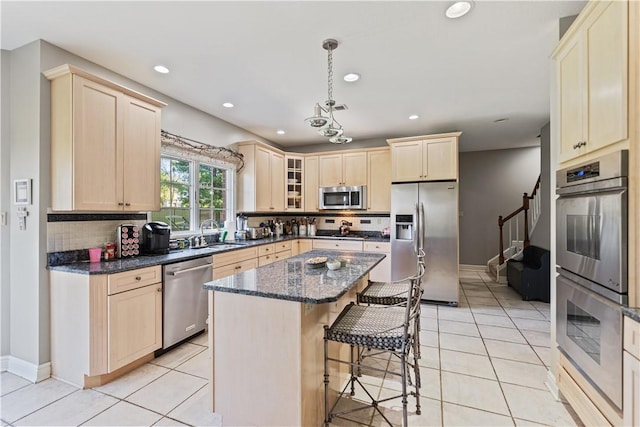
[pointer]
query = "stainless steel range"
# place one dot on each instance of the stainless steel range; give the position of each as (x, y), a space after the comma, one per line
(592, 265)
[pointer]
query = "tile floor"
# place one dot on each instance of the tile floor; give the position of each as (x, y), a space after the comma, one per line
(483, 363)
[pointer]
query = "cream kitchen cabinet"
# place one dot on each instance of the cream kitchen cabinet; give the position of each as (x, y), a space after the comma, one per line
(261, 183)
(234, 262)
(592, 67)
(104, 325)
(424, 158)
(105, 144)
(338, 245)
(342, 169)
(295, 185)
(382, 271)
(311, 194)
(379, 180)
(268, 254)
(301, 246)
(631, 373)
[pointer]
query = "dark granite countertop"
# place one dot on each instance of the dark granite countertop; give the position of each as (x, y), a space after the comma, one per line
(292, 280)
(125, 264)
(632, 312)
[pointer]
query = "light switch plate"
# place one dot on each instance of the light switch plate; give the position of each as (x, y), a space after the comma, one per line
(3, 218)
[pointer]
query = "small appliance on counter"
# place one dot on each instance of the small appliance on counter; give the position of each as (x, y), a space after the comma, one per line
(254, 233)
(127, 241)
(155, 238)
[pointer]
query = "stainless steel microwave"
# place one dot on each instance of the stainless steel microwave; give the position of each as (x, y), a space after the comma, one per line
(354, 197)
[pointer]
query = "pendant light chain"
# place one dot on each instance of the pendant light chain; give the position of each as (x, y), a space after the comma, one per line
(330, 74)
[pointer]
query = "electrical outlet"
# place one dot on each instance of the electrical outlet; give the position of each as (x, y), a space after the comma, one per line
(3, 218)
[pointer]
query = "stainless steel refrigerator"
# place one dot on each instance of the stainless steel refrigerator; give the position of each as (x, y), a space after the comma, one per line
(425, 215)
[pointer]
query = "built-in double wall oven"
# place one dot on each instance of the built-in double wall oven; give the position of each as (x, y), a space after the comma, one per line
(591, 253)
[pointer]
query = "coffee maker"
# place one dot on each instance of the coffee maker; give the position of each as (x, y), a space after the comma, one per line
(155, 238)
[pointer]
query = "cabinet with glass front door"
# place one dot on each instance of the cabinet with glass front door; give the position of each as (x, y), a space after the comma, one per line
(294, 183)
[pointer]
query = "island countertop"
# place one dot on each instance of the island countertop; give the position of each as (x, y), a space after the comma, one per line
(291, 279)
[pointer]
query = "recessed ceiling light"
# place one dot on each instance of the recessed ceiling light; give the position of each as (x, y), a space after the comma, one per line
(413, 117)
(280, 132)
(161, 69)
(351, 77)
(459, 9)
(504, 119)
(227, 105)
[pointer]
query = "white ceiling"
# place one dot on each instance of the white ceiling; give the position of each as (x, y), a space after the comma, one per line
(266, 57)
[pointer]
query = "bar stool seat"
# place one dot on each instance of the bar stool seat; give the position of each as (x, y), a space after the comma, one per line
(384, 293)
(369, 327)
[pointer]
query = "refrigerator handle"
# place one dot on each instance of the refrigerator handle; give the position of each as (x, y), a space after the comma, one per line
(416, 231)
(423, 230)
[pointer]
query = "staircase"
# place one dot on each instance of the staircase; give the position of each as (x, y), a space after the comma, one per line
(515, 229)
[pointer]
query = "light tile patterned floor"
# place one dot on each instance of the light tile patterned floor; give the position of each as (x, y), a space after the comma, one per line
(483, 363)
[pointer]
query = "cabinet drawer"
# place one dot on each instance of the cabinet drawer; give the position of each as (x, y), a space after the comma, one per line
(380, 247)
(283, 246)
(632, 337)
(128, 280)
(341, 245)
(268, 259)
(233, 257)
(231, 269)
(266, 249)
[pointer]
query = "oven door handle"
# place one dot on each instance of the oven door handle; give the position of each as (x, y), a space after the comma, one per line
(187, 270)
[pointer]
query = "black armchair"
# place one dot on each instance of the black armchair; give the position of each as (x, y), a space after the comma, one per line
(530, 276)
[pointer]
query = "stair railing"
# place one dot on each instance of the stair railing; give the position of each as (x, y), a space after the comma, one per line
(532, 203)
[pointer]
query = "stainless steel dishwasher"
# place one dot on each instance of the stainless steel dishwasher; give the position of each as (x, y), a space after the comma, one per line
(184, 304)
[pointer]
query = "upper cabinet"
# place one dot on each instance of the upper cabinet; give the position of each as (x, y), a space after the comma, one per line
(105, 144)
(295, 183)
(424, 158)
(261, 183)
(592, 69)
(311, 183)
(379, 182)
(342, 169)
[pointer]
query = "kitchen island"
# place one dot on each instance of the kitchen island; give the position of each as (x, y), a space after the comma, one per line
(266, 337)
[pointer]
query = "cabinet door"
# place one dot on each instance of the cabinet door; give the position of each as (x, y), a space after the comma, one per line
(277, 182)
(354, 168)
(379, 182)
(607, 76)
(330, 170)
(97, 145)
(571, 91)
(294, 186)
(440, 159)
(135, 324)
(141, 155)
(263, 179)
(406, 161)
(311, 184)
(631, 390)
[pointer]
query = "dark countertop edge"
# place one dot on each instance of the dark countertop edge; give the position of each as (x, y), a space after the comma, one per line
(107, 267)
(632, 312)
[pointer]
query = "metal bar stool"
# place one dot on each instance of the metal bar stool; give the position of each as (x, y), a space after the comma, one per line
(391, 294)
(382, 328)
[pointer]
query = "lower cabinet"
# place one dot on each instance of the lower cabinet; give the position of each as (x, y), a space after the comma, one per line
(135, 324)
(234, 262)
(631, 374)
(382, 272)
(104, 325)
(301, 246)
(338, 245)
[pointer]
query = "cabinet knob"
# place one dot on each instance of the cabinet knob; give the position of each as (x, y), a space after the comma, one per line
(159, 289)
(138, 278)
(127, 204)
(238, 267)
(122, 203)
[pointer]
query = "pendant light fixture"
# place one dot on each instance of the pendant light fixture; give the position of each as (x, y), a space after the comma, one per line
(327, 125)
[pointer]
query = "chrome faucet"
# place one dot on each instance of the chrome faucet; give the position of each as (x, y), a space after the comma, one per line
(213, 224)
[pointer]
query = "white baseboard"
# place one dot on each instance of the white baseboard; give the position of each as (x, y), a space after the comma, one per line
(553, 386)
(4, 363)
(28, 370)
(471, 267)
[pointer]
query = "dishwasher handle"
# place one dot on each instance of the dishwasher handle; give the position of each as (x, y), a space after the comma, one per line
(186, 270)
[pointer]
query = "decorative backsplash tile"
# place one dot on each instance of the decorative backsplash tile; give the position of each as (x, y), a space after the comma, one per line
(368, 223)
(74, 235)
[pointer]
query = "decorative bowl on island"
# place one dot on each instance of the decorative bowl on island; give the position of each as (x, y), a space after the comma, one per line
(334, 264)
(317, 262)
